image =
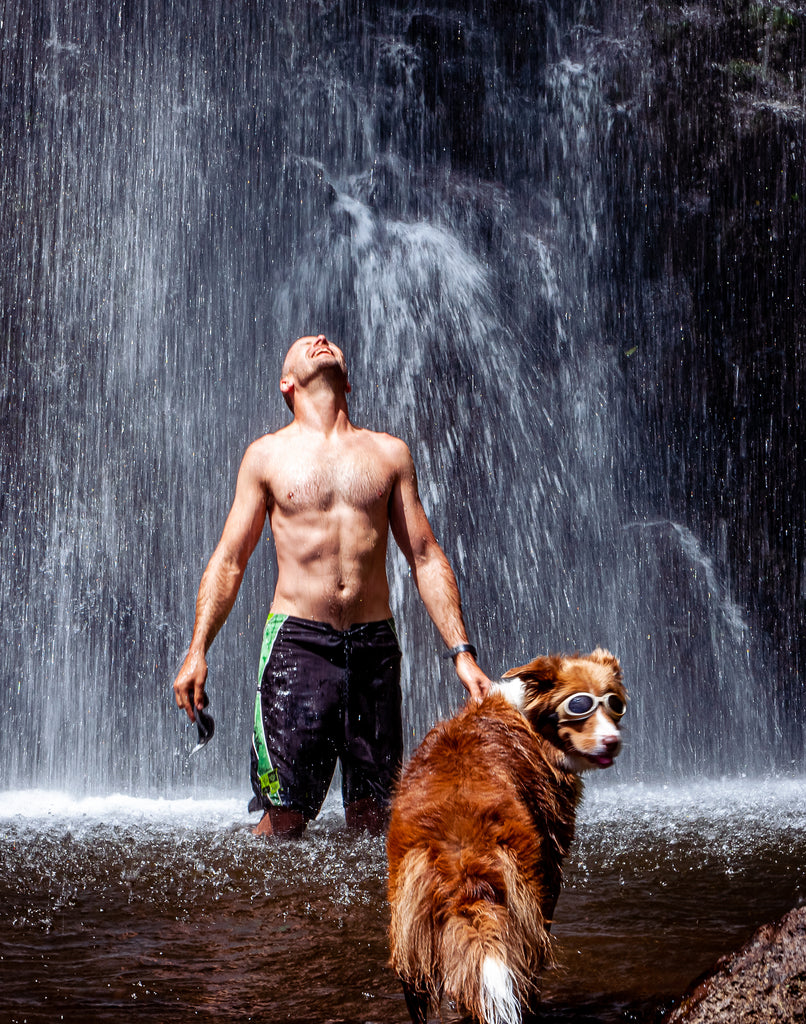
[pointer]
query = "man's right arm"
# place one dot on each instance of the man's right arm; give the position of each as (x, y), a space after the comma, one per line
(222, 578)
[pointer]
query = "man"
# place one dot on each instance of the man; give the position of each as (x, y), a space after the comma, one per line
(329, 670)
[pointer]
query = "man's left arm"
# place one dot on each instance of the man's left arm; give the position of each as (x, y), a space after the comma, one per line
(432, 572)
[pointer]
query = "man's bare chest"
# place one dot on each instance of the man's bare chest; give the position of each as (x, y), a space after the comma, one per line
(322, 481)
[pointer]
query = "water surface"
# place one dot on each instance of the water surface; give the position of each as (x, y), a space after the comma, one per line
(117, 909)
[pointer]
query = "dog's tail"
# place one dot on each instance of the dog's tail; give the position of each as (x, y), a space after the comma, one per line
(469, 928)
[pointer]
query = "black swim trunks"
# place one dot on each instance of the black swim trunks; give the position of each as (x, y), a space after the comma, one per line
(325, 694)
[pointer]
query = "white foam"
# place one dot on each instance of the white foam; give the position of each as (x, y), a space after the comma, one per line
(37, 805)
(742, 798)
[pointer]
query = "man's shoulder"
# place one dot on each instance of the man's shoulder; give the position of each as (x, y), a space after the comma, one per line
(268, 443)
(393, 448)
(381, 438)
(263, 452)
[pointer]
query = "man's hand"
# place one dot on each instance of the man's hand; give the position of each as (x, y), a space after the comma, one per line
(473, 679)
(189, 684)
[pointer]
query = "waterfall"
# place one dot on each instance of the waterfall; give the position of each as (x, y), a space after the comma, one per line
(459, 195)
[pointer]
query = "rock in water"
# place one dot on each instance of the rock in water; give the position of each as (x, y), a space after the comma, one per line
(763, 981)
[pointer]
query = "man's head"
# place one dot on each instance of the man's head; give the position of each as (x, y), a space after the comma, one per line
(310, 358)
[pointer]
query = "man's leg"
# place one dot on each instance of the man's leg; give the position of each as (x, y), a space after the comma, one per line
(367, 815)
(373, 734)
(280, 822)
(293, 754)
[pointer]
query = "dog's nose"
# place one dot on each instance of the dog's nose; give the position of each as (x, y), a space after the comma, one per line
(611, 742)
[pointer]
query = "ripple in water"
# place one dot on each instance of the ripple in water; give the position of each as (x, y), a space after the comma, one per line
(118, 909)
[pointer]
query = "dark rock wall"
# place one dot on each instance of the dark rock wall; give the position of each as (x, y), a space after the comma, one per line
(725, 149)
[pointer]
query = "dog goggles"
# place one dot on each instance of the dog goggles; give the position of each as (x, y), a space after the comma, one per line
(582, 705)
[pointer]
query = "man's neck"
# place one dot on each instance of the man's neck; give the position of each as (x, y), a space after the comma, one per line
(321, 410)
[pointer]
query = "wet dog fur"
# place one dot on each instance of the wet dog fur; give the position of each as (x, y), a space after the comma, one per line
(482, 817)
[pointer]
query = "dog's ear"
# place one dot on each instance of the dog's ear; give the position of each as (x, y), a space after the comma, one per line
(604, 657)
(539, 678)
(543, 670)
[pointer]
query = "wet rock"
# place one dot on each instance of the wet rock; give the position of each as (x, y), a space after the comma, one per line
(763, 981)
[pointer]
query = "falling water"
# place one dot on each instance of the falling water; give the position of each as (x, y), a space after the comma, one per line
(186, 189)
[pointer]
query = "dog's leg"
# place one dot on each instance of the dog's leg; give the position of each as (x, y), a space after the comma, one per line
(531, 1011)
(553, 884)
(417, 1002)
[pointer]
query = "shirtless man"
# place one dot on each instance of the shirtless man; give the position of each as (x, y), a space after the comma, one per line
(329, 671)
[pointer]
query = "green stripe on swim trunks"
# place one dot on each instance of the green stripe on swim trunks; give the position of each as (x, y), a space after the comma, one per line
(267, 775)
(274, 624)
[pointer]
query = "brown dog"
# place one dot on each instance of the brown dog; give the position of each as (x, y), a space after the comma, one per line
(482, 818)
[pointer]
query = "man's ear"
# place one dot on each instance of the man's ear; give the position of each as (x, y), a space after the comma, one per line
(287, 391)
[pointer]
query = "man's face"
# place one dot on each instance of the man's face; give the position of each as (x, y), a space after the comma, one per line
(311, 355)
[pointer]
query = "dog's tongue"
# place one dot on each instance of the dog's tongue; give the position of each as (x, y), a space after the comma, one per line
(604, 760)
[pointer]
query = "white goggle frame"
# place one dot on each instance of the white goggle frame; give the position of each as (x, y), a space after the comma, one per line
(612, 703)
